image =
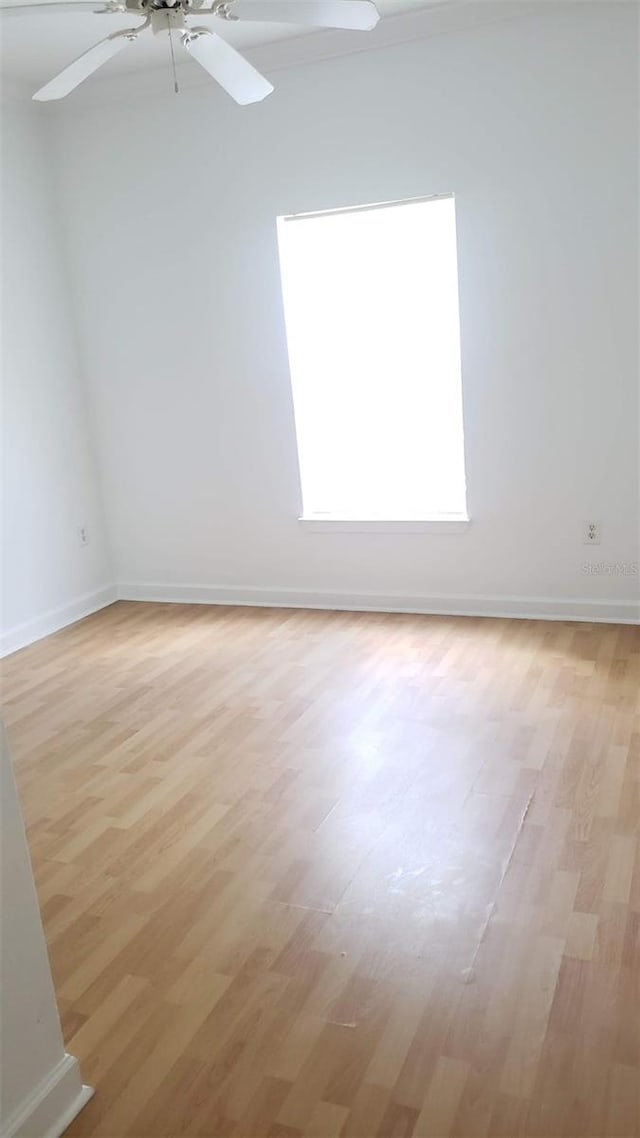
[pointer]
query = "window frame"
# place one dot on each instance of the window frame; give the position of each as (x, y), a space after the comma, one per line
(438, 523)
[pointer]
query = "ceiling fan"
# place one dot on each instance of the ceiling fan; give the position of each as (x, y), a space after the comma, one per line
(234, 73)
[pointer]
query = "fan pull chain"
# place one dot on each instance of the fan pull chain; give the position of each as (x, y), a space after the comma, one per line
(173, 63)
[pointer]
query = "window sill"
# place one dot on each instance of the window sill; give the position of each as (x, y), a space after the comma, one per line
(453, 523)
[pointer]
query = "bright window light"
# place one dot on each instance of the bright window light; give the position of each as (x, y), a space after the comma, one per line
(371, 307)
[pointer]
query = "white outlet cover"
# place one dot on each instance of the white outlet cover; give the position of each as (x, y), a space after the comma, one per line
(591, 534)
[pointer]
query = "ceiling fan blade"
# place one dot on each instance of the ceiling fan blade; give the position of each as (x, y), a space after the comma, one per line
(84, 66)
(63, 6)
(230, 69)
(359, 15)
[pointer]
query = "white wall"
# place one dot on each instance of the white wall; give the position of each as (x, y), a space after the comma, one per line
(170, 218)
(50, 486)
(40, 1086)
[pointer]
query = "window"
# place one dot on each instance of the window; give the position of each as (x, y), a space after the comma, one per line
(371, 307)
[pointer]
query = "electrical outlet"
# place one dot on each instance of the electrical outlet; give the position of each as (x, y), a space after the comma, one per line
(83, 535)
(591, 534)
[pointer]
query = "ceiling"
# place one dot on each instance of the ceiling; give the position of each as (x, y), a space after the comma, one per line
(37, 47)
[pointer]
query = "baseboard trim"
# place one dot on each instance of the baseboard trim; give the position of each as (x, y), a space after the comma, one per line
(525, 608)
(52, 1106)
(22, 635)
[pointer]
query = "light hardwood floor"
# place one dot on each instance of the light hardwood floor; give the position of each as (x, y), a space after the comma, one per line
(331, 874)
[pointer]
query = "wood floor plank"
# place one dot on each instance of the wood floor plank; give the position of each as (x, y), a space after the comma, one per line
(338, 875)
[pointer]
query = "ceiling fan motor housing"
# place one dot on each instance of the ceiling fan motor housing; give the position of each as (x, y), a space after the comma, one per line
(167, 20)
